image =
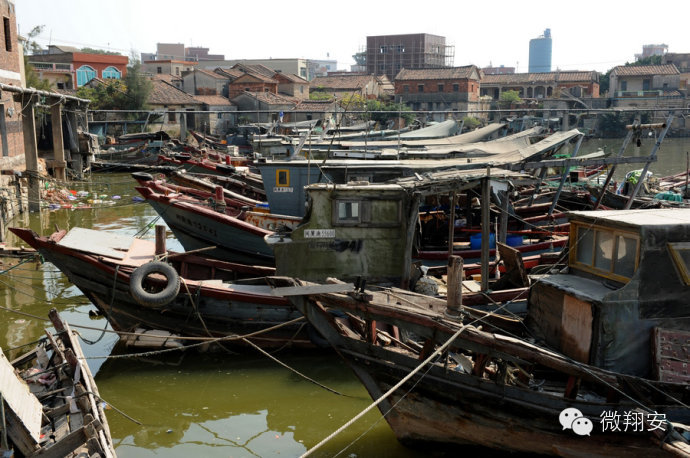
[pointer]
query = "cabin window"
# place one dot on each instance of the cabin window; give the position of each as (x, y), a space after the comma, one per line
(348, 211)
(456, 87)
(606, 252)
(282, 178)
(680, 253)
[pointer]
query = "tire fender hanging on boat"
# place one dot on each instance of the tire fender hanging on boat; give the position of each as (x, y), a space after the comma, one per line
(163, 297)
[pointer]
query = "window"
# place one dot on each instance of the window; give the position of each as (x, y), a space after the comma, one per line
(383, 49)
(680, 253)
(440, 87)
(605, 252)
(301, 89)
(282, 178)
(8, 33)
(420, 88)
(624, 85)
(159, 70)
(112, 73)
(177, 70)
(219, 116)
(456, 87)
(406, 89)
(646, 84)
(348, 211)
(85, 74)
(172, 117)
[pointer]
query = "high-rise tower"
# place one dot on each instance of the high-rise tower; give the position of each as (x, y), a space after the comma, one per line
(540, 53)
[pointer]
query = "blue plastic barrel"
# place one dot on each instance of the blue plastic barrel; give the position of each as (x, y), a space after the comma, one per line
(476, 241)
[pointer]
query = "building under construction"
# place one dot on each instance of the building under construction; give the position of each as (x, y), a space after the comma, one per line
(388, 54)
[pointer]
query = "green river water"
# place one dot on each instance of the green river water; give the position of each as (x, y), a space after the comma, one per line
(208, 405)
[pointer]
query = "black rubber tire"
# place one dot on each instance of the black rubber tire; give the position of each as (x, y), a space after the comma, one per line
(163, 297)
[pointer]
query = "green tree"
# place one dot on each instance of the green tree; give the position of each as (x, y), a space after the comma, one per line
(138, 86)
(509, 98)
(99, 51)
(30, 45)
(382, 112)
(130, 93)
(470, 123)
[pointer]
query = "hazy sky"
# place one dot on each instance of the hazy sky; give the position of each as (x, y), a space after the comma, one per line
(587, 35)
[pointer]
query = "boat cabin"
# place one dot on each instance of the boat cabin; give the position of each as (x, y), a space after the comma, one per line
(628, 280)
(368, 230)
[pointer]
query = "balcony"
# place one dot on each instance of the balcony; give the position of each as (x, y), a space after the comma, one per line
(51, 67)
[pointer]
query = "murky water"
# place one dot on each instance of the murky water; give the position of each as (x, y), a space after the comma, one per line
(189, 404)
(216, 404)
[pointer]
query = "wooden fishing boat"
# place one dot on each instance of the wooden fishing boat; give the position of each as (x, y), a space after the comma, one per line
(202, 220)
(598, 368)
(201, 165)
(191, 296)
(242, 182)
(51, 404)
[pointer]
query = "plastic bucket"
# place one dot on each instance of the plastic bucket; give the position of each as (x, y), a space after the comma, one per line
(476, 241)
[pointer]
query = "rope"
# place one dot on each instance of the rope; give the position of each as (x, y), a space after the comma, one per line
(438, 351)
(309, 379)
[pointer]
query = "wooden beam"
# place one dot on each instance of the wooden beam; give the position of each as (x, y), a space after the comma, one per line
(58, 143)
(31, 152)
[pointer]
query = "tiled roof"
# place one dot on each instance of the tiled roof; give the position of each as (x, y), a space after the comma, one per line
(229, 72)
(342, 82)
(292, 78)
(453, 73)
(164, 93)
(214, 100)
(269, 97)
(314, 105)
(646, 70)
(257, 76)
(255, 68)
(548, 77)
(211, 74)
(165, 77)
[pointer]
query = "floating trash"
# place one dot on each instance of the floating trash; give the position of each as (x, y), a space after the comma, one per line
(116, 197)
(137, 199)
(103, 196)
(83, 194)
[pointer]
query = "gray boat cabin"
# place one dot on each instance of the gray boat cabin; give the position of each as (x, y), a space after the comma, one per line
(625, 294)
(367, 230)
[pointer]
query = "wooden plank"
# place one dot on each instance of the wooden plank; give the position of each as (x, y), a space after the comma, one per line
(21, 402)
(312, 289)
(576, 337)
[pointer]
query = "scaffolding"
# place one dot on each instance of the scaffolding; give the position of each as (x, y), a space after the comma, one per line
(387, 55)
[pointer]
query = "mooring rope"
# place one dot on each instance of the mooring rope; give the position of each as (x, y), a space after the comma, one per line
(438, 351)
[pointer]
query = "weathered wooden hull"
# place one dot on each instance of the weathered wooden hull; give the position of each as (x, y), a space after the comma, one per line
(452, 405)
(198, 227)
(199, 309)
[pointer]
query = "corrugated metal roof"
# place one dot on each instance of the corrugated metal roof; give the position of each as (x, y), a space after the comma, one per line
(645, 70)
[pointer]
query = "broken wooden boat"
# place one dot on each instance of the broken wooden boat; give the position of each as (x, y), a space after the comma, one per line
(598, 368)
(50, 401)
(189, 295)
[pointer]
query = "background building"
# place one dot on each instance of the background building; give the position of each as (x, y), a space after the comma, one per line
(388, 54)
(652, 50)
(540, 53)
(67, 68)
